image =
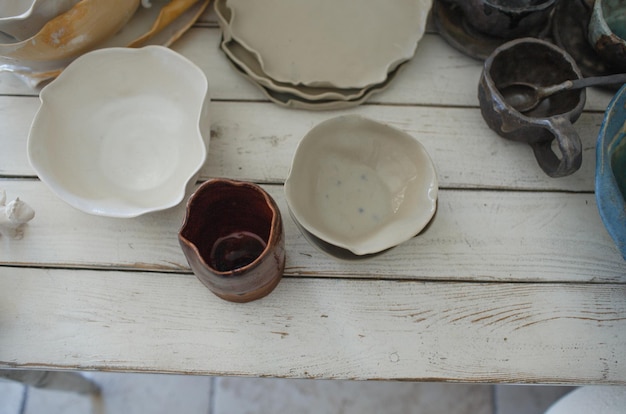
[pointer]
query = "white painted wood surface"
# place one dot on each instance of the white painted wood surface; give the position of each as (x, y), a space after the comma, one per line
(516, 279)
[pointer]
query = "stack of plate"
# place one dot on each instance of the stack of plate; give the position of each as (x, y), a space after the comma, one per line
(74, 27)
(327, 54)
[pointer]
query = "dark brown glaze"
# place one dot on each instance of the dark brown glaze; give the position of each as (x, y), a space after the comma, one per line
(233, 239)
(537, 62)
(506, 19)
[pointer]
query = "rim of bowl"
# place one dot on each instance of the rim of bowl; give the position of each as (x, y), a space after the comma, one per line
(606, 188)
(366, 245)
(65, 76)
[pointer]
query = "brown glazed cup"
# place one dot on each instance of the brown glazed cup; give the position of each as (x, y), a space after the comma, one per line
(541, 63)
(233, 239)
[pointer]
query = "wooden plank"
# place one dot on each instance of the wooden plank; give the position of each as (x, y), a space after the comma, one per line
(475, 235)
(437, 75)
(256, 142)
(315, 328)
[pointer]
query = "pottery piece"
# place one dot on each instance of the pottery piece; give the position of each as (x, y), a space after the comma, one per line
(168, 12)
(352, 50)
(293, 101)
(128, 144)
(247, 62)
(538, 62)
(13, 216)
(610, 185)
(607, 32)
(69, 34)
(21, 19)
(506, 19)
(452, 25)
(570, 32)
(138, 32)
(234, 240)
(361, 185)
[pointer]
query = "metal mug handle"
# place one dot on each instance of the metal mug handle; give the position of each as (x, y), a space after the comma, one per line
(569, 145)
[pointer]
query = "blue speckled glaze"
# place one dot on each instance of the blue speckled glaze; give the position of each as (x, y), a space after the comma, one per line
(611, 170)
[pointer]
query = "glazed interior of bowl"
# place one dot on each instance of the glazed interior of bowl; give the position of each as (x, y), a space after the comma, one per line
(361, 185)
(129, 143)
(541, 65)
(614, 13)
(610, 185)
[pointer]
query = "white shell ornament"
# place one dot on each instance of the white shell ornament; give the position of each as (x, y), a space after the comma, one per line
(13, 216)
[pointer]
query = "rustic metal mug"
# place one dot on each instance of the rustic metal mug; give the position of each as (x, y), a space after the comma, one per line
(541, 63)
(233, 239)
(505, 18)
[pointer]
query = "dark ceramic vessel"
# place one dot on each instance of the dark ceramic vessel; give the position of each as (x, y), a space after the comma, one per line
(233, 239)
(607, 31)
(538, 62)
(570, 25)
(506, 19)
(454, 27)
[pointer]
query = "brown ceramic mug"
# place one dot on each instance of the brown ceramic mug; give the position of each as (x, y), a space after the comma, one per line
(540, 63)
(233, 239)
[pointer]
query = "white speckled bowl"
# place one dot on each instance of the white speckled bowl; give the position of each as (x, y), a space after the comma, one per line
(361, 185)
(120, 132)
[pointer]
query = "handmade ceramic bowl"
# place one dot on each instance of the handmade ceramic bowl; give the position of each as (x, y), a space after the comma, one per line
(504, 18)
(570, 28)
(607, 31)
(167, 13)
(159, 24)
(361, 185)
(21, 19)
(611, 170)
(68, 35)
(129, 143)
(233, 239)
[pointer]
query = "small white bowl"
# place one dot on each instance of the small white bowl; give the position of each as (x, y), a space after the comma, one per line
(360, 185)
(120, 132)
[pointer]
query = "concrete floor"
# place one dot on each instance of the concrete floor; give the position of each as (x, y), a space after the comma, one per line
(150, 393)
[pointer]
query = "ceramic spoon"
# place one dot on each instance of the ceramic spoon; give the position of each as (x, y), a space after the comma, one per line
(525, 96)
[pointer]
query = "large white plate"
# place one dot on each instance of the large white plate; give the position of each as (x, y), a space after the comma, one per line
(329, 43)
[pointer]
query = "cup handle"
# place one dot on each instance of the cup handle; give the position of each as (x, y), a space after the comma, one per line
(569, 144)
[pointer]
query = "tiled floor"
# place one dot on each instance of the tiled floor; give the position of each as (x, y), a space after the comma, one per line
(155, 394)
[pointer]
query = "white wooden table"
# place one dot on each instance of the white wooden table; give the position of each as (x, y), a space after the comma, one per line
(515, 281)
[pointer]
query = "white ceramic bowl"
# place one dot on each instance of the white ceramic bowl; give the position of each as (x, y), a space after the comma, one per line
(122, 132)
(361, 185)
(21, 19)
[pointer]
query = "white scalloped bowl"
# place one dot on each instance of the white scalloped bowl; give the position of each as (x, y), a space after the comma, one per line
(23, 18)
(361, 185)
(122, 132)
